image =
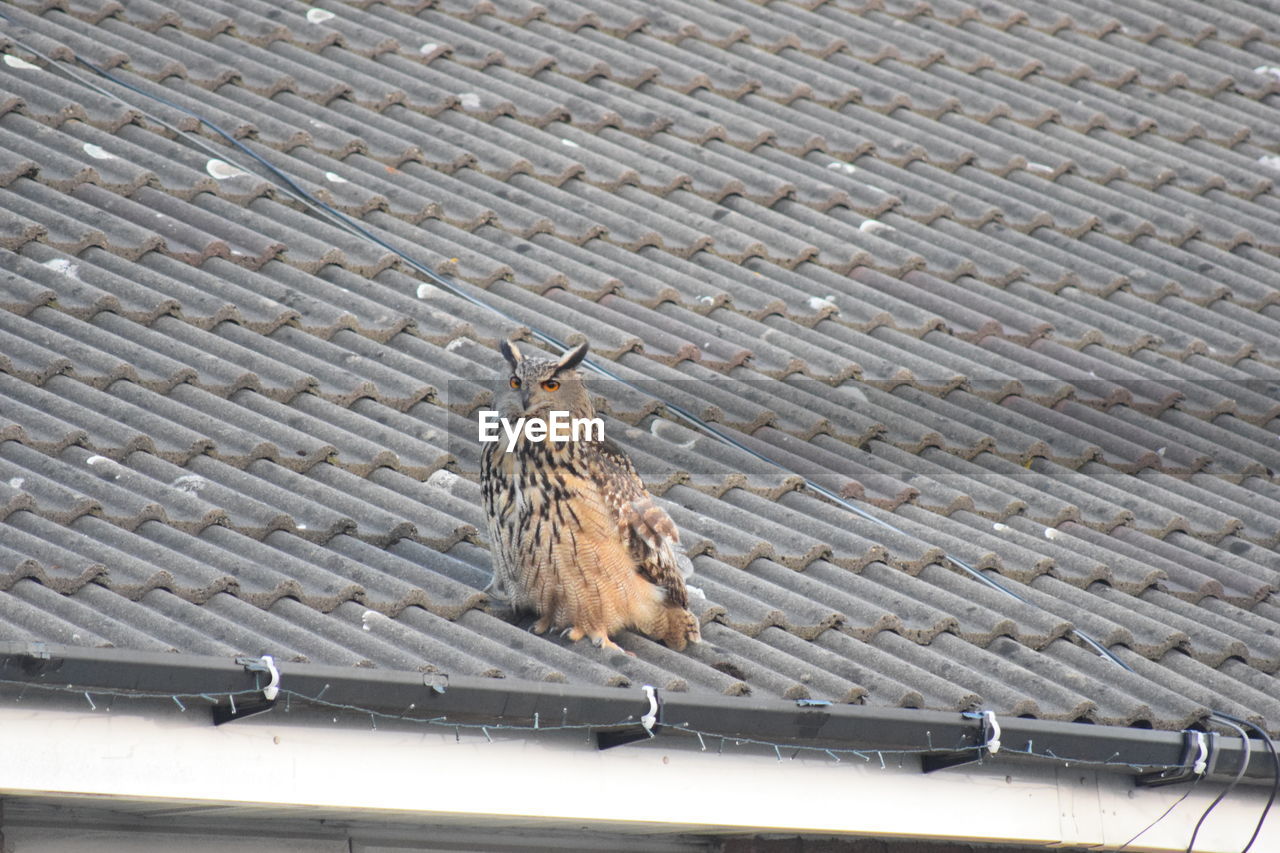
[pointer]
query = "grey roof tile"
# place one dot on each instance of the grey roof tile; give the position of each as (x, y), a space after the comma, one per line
(245, 515)
(31, 284)
(989, 676)
(937, 602)
(1192, 693)
(65, 400)
(1045, 486)
(914, 420)
(1082, 557)
(969, 424)
(62, 222)
(278, 630)
(504, 146)
(46, 558)
(60, 35)
(1125, 699)
(27, 610)
(1156, 269)
(726, 537)
(1201, 377)
(995, 368)
(752, 603)
(941, 487)
(1133, 569)
(53, 107)
(1254, 509)
(1157, 510)
(1110, 619)
(49, 156)
(843, 475)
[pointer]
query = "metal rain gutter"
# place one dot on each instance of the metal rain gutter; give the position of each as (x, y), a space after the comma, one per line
(510, 702)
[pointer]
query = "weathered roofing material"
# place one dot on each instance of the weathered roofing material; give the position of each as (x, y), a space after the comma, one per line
(1003, 277)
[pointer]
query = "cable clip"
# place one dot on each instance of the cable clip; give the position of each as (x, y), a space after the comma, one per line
(648, 728)
(238, 711)
(988, 745)
(266, 664)
(649, 719)
(1199, 755)
(993, 729)
(1201, 764)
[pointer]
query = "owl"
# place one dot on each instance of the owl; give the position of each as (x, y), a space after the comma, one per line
(575, 535)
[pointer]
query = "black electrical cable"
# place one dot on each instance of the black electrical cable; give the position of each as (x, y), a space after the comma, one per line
(353, 226)
(1163, 814)
(1246, 752)
(1275, 763)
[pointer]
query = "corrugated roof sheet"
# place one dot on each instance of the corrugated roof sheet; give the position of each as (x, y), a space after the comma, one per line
(1005, 277)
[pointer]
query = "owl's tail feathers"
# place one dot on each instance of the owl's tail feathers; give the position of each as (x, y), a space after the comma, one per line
(499, 590)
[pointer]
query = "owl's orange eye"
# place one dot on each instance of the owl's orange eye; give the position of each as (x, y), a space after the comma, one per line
(515, 383)
(550, 385)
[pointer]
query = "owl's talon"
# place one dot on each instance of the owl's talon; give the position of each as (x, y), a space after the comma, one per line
(605, 644)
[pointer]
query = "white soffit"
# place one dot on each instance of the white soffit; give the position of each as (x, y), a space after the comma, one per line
(327, 767)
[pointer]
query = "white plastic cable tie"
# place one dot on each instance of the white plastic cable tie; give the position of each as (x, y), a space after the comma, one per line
(993, 743)
(1201, 764)
(651, 718)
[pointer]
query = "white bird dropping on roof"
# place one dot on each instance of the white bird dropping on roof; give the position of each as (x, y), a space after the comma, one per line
(1268, 69)
(819, 303)
(872, 226)
(18, 62)
(319, 16)
(16, 482)
(103, 466)
(222, 170)
(1051, 533)
(62, 266)
(335, 178)
(190, 483)
(469, 101)
(97, 152)
(670, 433)
(1270, 161)
(442, 479)
(847, 168)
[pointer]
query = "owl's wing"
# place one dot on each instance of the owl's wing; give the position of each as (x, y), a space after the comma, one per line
(502, 508)
(646, 528)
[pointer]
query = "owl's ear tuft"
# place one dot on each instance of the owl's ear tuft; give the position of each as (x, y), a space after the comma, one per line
(511, 353)
(572, 358)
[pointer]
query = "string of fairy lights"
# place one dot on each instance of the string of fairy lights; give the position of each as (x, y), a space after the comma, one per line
(708, 740)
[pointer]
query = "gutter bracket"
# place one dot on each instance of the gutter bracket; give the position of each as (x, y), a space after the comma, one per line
(233, 711)
(1199, 756)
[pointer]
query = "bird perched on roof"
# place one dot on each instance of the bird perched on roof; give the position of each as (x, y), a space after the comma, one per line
(575, 535)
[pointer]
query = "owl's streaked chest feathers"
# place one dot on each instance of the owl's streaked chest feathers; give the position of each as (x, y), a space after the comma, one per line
(537, 485)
